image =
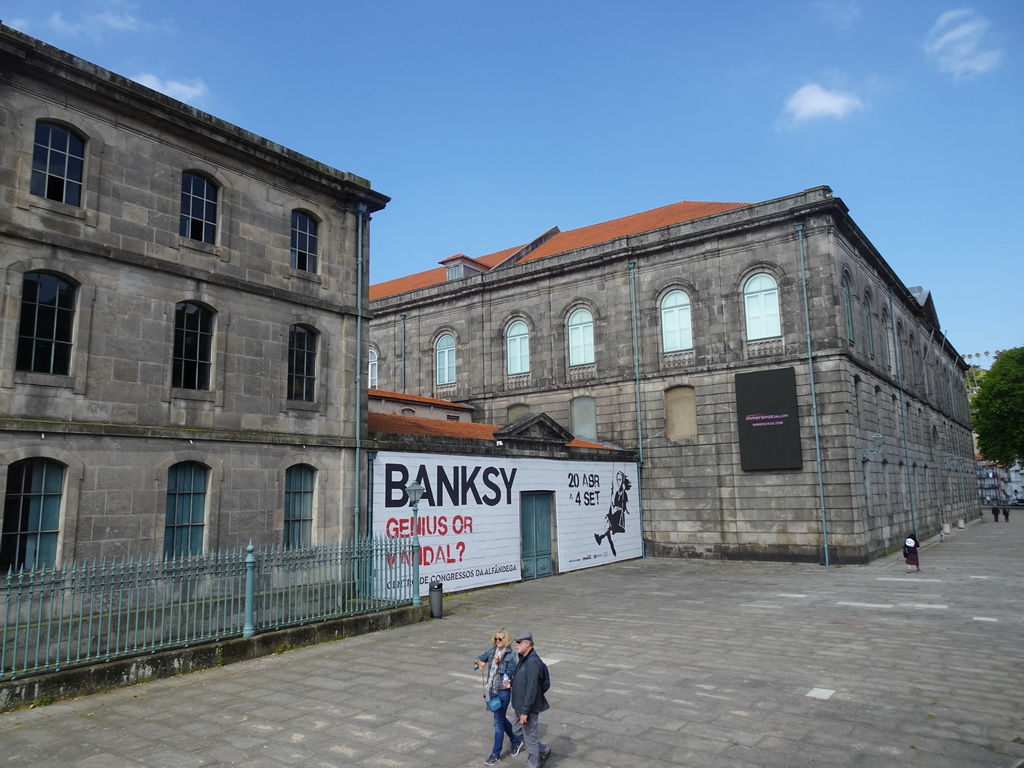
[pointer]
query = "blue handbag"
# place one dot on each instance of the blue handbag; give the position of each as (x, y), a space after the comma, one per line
(494, 704)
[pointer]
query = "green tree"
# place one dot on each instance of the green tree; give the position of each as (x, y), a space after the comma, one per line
(998, 409)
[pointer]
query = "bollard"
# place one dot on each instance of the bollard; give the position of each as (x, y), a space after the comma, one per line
(960, 523)
(436, 599)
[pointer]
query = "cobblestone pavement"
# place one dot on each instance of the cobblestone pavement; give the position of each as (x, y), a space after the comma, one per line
(654, 663)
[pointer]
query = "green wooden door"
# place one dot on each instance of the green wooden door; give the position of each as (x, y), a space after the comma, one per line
(535, 522)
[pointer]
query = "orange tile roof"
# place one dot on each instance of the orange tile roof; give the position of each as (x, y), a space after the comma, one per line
(568, 241)
(413, 425)
(385, 395)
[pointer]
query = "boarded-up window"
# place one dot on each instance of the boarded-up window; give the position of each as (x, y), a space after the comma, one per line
(680, 413)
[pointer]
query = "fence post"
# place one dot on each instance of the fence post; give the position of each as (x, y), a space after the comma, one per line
(249, 629)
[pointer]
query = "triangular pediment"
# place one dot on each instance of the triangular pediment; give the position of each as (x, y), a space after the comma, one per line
(534, 427)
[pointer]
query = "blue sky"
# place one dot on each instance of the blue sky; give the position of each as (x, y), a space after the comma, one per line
(488, 123)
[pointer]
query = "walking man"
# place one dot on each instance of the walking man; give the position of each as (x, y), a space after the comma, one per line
(529, 685)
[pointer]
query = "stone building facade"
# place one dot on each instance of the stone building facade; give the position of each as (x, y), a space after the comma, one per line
(650, 332)
(181, 357)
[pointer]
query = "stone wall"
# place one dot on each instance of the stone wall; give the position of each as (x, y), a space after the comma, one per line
(698, 501)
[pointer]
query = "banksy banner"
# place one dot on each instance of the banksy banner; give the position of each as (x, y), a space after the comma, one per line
(468, 519)
(766, 417)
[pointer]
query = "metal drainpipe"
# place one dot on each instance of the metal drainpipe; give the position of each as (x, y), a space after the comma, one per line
(903, 415)
(639, 411)
(814, 398)
(360, 213)
(402, 316)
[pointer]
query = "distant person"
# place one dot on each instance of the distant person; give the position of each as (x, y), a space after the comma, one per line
(910, 553)
(1006, 514)
(528, 688)
(499, 662)
(995, 514)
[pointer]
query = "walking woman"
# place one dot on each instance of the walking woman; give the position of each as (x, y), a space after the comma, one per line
(499, 662)
(910, 552)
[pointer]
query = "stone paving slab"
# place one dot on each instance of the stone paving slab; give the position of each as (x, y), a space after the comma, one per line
(654, 663)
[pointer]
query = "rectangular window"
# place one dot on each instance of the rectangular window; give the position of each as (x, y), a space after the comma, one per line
(58, 161)
(298, 505)
(46, 324)
(31, 515)
(304, 242)
(185, 509)
(198, 208)
(193, 346)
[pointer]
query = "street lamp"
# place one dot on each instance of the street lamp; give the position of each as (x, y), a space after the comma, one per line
(415, 492)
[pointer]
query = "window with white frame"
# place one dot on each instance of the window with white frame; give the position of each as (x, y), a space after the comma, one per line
(581, 337)
(444, 356)
(761, 307)
(676, 325)
(371, 372)
(517, 346)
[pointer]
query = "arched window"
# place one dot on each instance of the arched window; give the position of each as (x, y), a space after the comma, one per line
(581, 337)
(444, 353)
(371, 373)
(31, 515)
(761, 307)
(302, 342)
(58, 161)
(847, 307)
(198, 208)
(583, 415)
(185, 517)
(886, 339)
(193, 346)
(47, 324)
(868, 309)
(304, 241)
(676, 328)
(517, 346)
(299, 482)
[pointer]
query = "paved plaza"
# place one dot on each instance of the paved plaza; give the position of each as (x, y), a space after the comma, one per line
(654, 663)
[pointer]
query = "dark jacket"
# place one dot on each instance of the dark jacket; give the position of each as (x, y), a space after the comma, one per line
(527, 696)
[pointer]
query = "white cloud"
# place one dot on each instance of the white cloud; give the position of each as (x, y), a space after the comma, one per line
(842, 13)
(956, 44)
(112, 15)
(812, 101)
(190, 91)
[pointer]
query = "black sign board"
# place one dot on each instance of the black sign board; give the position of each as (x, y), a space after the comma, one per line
(766, 418)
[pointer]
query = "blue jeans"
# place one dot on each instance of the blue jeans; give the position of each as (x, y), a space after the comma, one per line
(502, 726)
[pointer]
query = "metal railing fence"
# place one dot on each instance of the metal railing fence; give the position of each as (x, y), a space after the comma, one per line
(84, 613)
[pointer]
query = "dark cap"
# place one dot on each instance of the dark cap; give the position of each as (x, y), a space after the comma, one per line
(520, 636)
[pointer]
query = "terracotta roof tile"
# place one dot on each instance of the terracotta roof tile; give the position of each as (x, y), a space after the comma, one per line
(385, 395)
(388, 423)
(568, 241)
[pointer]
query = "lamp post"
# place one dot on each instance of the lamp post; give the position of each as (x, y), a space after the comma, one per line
(415, 492)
